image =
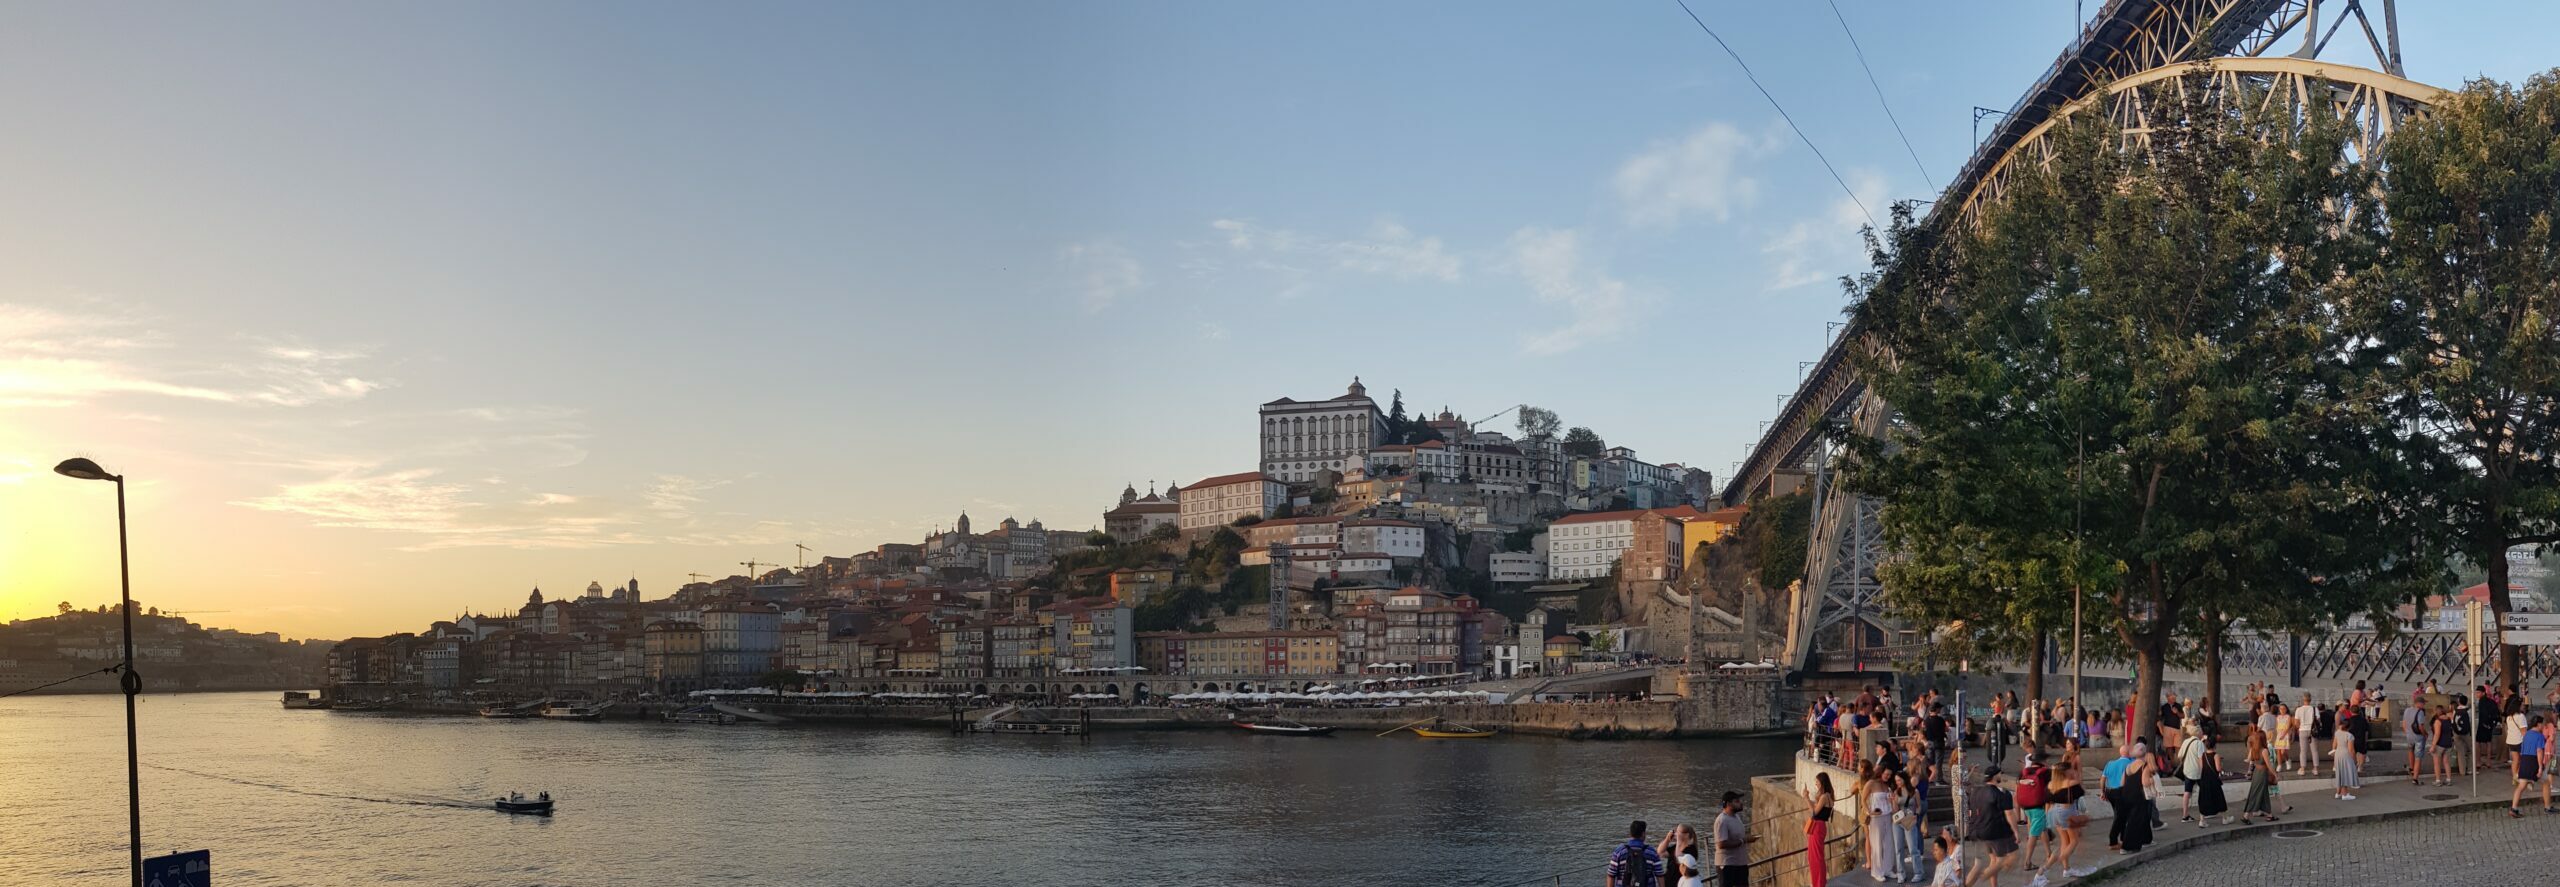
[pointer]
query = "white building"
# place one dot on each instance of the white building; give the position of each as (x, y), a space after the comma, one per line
(1518, 566)
(1393, 538)
(1301, 438)
(1219, 501)
(1585, 546)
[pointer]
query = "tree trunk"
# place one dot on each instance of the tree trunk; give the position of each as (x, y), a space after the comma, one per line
(2510, 660)
(2152, 655)
(2035, 668)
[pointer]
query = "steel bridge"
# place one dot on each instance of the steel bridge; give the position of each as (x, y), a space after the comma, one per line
(2286, 51)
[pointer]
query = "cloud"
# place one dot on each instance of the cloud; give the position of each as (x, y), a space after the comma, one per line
(358, 497)
(51, 358)
(1700, 173)
(1552, 263)
(1388, 249)
(673, 496)
(552, 499)
(1214, 332)
(1825, 247)
(1102, 272)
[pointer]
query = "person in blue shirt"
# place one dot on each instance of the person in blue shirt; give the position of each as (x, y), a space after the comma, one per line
(1634, 863)
(2533, 760)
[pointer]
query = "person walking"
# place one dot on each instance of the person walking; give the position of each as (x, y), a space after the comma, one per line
(1733, 844)
(2142, 808)
(2112, 783)
(1817, 832)
(2532, 755)
(2207, 786)
(1991, 819)
(2063, 815)
(2030, 797)
(1679, 852)
(2190, 771)
(2260, 801)
(1635, 863)
(2514, 720)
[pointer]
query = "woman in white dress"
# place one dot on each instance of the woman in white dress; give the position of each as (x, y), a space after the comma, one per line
(1883, 863)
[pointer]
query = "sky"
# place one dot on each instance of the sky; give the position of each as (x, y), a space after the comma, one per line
(390, 311)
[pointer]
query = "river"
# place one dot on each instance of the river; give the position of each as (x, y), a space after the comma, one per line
(325, 798)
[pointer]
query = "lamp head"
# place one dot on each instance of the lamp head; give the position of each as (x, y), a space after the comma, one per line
(83, 469)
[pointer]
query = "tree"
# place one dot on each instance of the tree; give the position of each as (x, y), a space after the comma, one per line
(783, 679)
(1538, 423)
(63, 609)
(1100, 540)
(2466, 311)
(2130, 379)
(1580, 441)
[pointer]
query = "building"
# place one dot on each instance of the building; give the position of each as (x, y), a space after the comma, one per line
(1137, 516)
(1518, 567)
(1585, 546)
(1233, 653)
(1091, 633)
(1220, 501)
(1393, 538)
(740, 642)
(1137, 585)
(1301, 439)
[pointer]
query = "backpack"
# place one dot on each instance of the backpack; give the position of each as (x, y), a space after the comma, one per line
(2191, 759)
(2031, 787)
(1638, 868)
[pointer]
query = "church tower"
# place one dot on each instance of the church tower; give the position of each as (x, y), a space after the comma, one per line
(964, 523)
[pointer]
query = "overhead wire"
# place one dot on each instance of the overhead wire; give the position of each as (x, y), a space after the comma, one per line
(107, 670)
(1861, 53)
(1782, 111)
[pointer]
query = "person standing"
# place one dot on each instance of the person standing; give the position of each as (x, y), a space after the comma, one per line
(2515, 722)
(2441, 731)
(2279, 738)
(1876, 816)
(2112, 782)
(1634, 863)
(1913, 821)
(2306, 719)
(2141, 811)
(1817, 832)
(1991, 825)
(2342, 746)
(1950, 871)
(1679, 852)
(1733, 844)
(2260, 802)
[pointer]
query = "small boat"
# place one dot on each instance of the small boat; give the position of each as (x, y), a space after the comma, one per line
(593, 711)
(1451, 731)
(517, 803)
(502, 711)
(1283, 727)
(300, 699)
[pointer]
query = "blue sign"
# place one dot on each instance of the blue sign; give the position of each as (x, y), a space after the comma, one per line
(190, 869)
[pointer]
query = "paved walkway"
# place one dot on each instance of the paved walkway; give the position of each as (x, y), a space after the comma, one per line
(2399, 826)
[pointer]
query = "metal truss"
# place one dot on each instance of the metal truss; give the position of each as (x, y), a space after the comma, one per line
(1847, 545)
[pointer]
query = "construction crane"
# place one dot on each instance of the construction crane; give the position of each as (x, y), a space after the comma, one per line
(1471, 426)
(751, 566)
(697, 577)
(804, 554)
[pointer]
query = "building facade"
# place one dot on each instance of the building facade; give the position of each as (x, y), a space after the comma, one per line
(1302, 439)
(1220, 501)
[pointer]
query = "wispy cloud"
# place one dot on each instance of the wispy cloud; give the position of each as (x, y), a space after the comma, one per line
(1102, 273)
(552, 499)
(1388, 249)
(1699, 173)
(1826, 246)
(52, 358)
(1552, 262)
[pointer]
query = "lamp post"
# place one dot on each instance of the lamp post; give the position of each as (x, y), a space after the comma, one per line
(83, 469)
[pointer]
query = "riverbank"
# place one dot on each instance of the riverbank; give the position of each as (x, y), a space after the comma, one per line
(1665, 719)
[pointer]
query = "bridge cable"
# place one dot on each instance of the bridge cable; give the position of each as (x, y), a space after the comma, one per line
(1879, 88)
(1782, 110)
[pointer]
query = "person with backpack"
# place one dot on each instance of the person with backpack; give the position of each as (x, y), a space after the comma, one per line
(1634, 863)
(2031, 794)
(1991, 820)
(2190, 771)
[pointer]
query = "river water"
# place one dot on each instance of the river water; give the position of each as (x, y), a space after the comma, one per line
(325, 798)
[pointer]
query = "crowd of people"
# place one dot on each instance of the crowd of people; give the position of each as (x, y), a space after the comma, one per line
(2007, 823)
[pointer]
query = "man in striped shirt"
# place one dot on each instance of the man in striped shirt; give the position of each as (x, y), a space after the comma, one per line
(1634, 863)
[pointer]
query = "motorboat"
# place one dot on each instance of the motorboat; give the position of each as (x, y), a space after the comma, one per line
(517, 803)
(570, 711)
(1282, 727)
(506, 711)
(1451, 731)
(302, 699)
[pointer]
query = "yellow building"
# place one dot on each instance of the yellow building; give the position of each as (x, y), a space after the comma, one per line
(1240, 652)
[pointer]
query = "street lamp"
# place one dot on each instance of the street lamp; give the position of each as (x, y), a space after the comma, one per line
(83, 469)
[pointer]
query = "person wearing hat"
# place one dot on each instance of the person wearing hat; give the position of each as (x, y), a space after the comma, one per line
(2032, 774)
(1991, 823)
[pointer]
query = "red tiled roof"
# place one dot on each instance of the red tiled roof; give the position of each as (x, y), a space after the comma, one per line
(1596, 517)
(1230, 479)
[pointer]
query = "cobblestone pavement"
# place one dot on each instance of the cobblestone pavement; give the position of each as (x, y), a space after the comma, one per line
(2482, 847)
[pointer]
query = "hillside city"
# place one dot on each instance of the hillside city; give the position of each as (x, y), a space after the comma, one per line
(1410, 547)
(180, 654)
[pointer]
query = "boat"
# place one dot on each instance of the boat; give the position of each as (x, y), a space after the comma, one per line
(700, 714)
(517, 803)
(504, 711)
(300, 699)
(1282, 727)
(1450, 731)
(570, 711)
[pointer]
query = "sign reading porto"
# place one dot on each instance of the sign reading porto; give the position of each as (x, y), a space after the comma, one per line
(190, 869)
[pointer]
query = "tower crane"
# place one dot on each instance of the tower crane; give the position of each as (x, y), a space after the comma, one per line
(751, 566)
(804, 554)
(1471, 426)
(697, 577)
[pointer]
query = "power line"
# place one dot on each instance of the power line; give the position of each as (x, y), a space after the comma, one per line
(106, 670)
(1879, 88)
(1782, 110)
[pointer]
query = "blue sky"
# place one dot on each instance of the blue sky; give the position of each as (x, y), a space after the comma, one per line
(393, 310)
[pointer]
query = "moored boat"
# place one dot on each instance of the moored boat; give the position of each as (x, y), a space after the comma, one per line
(517, 803)
(504, 711)
(301, 699)
(564, 711)
(1447, 730)
(1282, 727)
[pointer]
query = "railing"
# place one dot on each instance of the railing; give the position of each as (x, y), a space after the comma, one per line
(1840, 848)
